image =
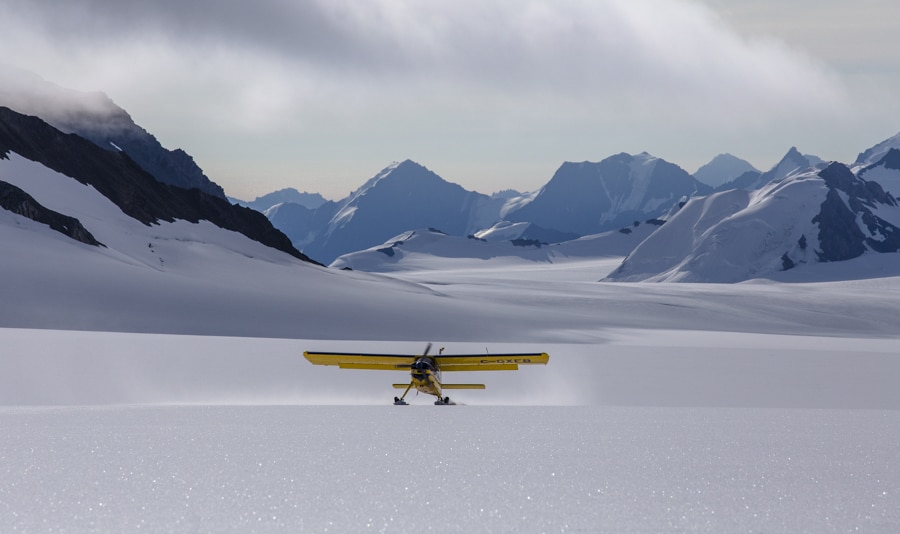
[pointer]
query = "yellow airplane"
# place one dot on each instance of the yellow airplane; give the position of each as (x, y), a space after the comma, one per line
(425, 370)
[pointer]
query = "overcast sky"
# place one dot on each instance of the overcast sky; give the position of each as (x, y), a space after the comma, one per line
(490, 94)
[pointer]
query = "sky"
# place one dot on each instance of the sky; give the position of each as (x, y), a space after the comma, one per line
(490, 94)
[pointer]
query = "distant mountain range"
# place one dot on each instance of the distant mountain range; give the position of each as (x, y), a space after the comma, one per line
(751, 224)
(283, 196)
(728, 222)
(580, 199)
(722, 169)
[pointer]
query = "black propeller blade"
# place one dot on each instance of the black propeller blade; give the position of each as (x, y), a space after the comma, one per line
(410, 366)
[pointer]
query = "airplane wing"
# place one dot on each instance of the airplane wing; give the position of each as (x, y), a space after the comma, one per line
(489, 362)
(378, 362)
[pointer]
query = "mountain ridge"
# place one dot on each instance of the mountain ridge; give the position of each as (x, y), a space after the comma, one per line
(812, 216)
(98, 119)
(117, 177)
(591, 197)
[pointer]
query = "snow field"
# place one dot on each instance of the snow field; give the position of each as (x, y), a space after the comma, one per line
(459, 469)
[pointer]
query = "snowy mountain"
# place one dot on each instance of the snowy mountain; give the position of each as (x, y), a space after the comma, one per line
(581, 199)
(587, 198)
(815, 215)
(885, 171)
(283, 196)
(92, 242)
(297, 221)
(876, 153)
(401, 197)
(722, 169)
(27, 142)
(792, 163)
(429, 249)
(97, 118)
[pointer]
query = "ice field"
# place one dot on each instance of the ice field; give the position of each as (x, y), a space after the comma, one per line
(769, 406)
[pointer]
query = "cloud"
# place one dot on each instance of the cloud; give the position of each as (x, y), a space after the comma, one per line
(468, 77)
(640, 51)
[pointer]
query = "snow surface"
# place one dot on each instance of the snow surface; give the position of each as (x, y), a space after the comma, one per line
(427, 250)
(464, 469)
(632, 427)
(768, 406)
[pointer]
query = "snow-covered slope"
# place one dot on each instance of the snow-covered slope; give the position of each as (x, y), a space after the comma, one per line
(401, 197)
(424, 250)
(813, 216)
(885, 171)
(587, 198)
(874, 154)
(507, 231)
(118, 178)
(177, 277)
(723, 168)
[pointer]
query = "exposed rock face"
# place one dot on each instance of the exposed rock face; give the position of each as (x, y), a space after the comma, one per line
(886, 172)
(173, 167)
(117, 177)
(15, 200)
(841, 236)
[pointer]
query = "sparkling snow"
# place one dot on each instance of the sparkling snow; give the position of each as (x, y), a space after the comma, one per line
(463, 469)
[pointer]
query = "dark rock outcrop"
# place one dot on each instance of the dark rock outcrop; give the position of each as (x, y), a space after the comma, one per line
(840, 236)
(15, 200)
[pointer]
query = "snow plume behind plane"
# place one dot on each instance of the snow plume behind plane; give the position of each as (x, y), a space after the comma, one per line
(494, 78)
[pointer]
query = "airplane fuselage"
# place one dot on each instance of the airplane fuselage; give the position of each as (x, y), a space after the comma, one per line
(426, 376)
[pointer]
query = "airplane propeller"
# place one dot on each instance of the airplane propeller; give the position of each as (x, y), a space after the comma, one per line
(410, 365)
